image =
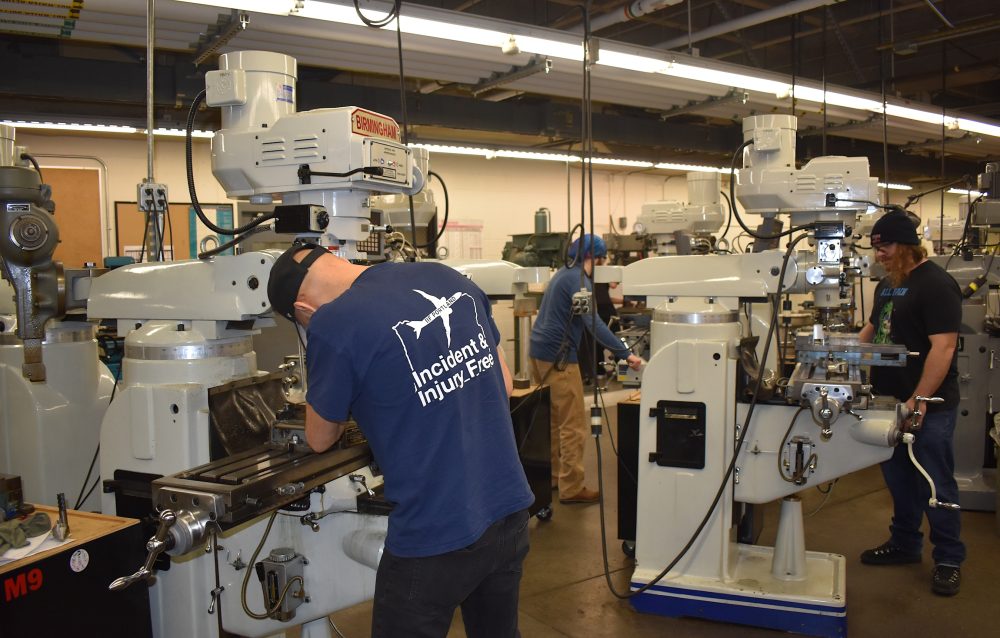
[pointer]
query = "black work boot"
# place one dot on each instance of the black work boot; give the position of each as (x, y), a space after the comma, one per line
(888, 554)
(946, 580)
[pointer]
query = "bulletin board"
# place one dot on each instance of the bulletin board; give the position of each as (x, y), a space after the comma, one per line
(77, 195)
(184, 234)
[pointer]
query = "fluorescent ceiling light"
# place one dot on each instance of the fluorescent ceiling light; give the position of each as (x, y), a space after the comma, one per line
(177, 132)
(453, 150)
(61, 126)
(895, 187)
(641, 63)
(960, 191)
(982, 128)
(550, 48)
(919, 115)
(560, 157)
(102, 128)
(274, 7)
(837, 99)
(573, 50)
(669, 166)
(532, 155)
(610, 161)
(725, 78)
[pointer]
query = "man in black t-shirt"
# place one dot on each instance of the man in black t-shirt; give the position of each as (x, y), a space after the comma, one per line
(919, 305)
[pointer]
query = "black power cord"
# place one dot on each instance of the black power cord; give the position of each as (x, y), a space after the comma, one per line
(384, 20)
(34, 162)
(189, 161)
(235, 241)
(80, 498)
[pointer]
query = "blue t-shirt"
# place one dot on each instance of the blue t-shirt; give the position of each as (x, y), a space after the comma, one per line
(410, 351)
(549, 341)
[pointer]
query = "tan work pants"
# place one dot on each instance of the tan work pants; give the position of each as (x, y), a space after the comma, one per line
(568, 424)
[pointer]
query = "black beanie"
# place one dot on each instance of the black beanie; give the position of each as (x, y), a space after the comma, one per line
(287, 276)
(895, 228)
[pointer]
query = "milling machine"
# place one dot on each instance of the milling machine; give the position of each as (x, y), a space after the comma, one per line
(678, 228)
(324, 165)
(50, 416)
(716, 429)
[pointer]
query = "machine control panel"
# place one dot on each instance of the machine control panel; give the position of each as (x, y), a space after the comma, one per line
(393, 159)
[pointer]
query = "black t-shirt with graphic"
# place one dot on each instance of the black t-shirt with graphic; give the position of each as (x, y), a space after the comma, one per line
(927, 302)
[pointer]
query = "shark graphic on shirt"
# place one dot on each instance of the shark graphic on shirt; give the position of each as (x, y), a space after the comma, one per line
(442, 310)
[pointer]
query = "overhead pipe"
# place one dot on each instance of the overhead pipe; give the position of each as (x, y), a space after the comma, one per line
(760, 17)
(629, 12)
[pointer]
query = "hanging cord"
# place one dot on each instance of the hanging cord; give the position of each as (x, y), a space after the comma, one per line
(724, 485)
(729, 218)
(246, 578)
(394, 14)
(235, 241)
(384, 20)
(885, 120)
(444, 224)
(34, 162)
(170, 230)
(80, 498)
(826, 497)
(911, 199)
(189, 164)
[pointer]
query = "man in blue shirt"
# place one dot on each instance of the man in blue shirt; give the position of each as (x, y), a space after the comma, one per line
(554, 362)
(410, 351)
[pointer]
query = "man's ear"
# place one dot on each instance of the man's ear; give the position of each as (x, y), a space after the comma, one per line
(305, 308)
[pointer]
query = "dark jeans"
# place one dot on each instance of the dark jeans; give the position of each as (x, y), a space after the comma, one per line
(910, 491)
(417, 597)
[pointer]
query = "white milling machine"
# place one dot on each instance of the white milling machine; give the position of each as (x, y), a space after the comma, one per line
(189, 327)
(694, 411)
(684, 228)
(50, 416)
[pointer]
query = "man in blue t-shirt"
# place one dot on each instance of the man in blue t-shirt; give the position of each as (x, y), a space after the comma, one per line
(554, 362)
(410, 351)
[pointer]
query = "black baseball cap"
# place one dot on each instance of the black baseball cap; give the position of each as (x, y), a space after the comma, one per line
(287, 276)
(895, 228)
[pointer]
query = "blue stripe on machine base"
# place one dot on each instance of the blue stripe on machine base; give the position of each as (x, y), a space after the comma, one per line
(811, 620)
(753, 600)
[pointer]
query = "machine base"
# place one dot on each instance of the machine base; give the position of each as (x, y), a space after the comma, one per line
(816, 606)
(978, 492)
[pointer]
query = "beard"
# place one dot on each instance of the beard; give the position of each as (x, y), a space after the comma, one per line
(898, 266)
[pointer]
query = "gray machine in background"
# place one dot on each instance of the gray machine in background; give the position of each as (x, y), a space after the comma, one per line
(978, 380)
(540, 248)
(978, 274)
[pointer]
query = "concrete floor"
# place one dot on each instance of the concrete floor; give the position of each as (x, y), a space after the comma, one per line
(564, 592)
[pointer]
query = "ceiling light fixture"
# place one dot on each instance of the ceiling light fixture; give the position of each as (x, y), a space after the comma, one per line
(895, 187)
(561, 157)
(963, 192)
(101, 128)
(273, 7)
(567, 47)
(670, 166)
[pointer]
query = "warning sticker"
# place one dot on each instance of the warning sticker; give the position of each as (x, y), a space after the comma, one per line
(285, 93)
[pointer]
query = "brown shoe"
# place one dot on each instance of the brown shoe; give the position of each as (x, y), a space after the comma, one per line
(583, 496)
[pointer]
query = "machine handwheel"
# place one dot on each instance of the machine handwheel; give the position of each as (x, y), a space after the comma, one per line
(544, 514)
(628, 548)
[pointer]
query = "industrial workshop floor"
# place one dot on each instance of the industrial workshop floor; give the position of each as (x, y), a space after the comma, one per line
(563, 592)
